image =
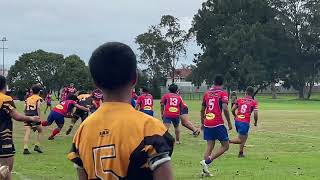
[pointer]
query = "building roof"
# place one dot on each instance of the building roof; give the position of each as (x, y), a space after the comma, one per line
(182, 72)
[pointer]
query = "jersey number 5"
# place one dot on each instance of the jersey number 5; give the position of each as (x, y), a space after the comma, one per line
(211, 104)
(101, 155)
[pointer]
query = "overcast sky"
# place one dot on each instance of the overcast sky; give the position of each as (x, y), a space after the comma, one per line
(79, 26)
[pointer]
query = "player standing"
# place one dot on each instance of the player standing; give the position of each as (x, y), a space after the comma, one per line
(62, 110)
(8, 111)
(244, 106)
(85, 100)
(171, 108)
(97, 97)
(233, 98)
(71, 90)
(215, 101)
(48, 100)
(32, 108)
(145, 102)
(117, 141)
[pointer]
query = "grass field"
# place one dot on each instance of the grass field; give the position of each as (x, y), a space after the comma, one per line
(285, 145)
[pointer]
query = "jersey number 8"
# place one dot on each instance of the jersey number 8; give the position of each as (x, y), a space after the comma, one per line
(243, 109)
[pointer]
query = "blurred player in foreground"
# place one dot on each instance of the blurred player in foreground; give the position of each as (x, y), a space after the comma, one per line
(145, 102)
(215, 101)
(244, 106)
(32, 108)
(8, 111)
(171, 108)
(85, 100)
(117, 141)
(62, 110)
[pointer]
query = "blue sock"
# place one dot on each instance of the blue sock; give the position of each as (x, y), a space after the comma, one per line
(208, 161)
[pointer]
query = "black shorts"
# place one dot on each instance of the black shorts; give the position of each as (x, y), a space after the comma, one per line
(80, 114)
(7, 150)
(31, 124)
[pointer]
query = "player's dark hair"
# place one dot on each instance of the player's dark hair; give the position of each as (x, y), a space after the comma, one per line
(72, 97)
(3, 82)
(250, 91)
(145, 89)
(173, 88)
(36, 89)
(113, 65)
(218, 80)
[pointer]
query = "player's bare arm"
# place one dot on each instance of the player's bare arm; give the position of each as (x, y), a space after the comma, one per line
(255, 116)
(38, 108)
(82, 108)
(19, 117)
(233, 110)
(227, 114)
(163, 172)
(162, 109)
(203, 108)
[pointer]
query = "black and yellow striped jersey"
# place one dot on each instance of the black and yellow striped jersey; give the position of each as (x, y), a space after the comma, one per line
(6, 142)
(85, 100)
(118, 142)
(31, 105)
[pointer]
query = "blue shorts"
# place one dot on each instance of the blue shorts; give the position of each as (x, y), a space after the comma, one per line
(149, 112)
(184, 111)
(174, 121)
(242, 127)
(133, 103)
(217, 133)
(55, 117)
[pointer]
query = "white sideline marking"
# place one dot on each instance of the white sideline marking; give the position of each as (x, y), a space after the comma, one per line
(288, 134)
(21, 176)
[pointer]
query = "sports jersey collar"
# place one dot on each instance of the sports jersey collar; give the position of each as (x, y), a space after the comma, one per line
(248, 97)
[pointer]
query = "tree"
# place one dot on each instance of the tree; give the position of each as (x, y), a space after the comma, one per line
(35, 67)
(161, 47)
(300, 19)
(74, 70)
(240, 39)
(49, 69)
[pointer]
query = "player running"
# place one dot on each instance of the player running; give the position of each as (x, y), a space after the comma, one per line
(62, 110)
(8, 111)
(244, 106)
(32, 108)
(117, 141)
(171, 108)
(215, 100)
(48, 100)
(145, 102)
(85, 100)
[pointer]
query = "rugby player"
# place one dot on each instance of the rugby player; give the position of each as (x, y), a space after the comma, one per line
(171, 108)
(215, 101)
(85, 100)
(32, 108)
(62, 110)
(145, 102)
(8, 111)
(244, 107)
(117, 141)
(48, 100)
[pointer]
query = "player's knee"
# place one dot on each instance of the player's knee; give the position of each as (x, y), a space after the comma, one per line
(225, 146)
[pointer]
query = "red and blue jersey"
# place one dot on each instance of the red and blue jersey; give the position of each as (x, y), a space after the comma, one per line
(173, 105)
(245, 108)
(145, 101)
(65, 107)
(212, 102)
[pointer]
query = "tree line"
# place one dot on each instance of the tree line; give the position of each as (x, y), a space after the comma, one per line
(251, 42)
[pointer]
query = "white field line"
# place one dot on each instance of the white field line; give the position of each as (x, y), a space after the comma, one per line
(21, 176)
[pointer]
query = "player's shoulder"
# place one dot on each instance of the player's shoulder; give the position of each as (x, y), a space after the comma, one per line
(5, 97)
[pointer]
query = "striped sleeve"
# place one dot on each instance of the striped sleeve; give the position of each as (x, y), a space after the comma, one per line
(255, 107)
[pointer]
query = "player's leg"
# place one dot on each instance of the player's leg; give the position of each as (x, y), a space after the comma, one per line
(26, 138)
(38, 141)
(188, 124)
(59, 119)
(207, 160)
(176, 125)
(6, 167)
(74, 119)
(242, 145)
(50, 119)
(221, 134)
